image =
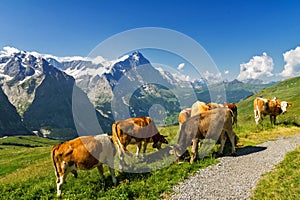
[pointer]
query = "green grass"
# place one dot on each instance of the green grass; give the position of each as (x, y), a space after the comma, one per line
(283, 182)
(30, 175)
(20, 152)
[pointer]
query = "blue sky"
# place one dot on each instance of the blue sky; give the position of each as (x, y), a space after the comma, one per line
(234, 33)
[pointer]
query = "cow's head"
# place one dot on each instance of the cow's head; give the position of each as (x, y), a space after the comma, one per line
(158, 139)
(284, 105)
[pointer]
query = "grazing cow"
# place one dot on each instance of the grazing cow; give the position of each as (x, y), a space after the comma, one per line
(231, 106)
(212, 124)
(272, 107)
(84, 152)
(135, 131)
(184, 115)
(199, 107)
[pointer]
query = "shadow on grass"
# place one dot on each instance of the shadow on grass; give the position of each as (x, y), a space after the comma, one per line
(286, 123)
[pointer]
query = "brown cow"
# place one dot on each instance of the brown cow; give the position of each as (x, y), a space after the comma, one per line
(272, 107)
(199, 107)
(183, 116)
(212, 124)
(135, 131)
(84, 152)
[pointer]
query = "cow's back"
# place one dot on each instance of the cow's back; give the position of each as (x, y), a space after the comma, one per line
(85, 151)
(108, 150)
(213, 121)
(198, 107)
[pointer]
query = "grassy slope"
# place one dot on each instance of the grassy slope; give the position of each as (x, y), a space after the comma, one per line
(26, 171)
(287, 90)
(283, 182)
(288, 123)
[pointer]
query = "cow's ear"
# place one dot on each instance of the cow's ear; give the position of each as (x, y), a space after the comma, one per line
(290, 104)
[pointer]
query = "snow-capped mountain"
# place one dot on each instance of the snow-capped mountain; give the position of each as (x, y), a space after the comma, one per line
(181, 80)
(98, 76)
(20, 74)
(41, 93)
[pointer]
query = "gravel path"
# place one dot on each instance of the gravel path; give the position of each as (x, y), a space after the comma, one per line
(235, 177)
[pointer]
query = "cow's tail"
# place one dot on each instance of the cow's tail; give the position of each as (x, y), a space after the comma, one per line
(232, 116)
(54, 148)
(256, 111)
(116, 137)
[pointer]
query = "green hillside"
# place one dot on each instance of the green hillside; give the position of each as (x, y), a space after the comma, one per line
(287, 90)
(288, 123)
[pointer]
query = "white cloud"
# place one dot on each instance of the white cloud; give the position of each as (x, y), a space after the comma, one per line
(180, 66)
(10, 50)
(213, 77)
(257, 68)
(226, 72)
(292, 63)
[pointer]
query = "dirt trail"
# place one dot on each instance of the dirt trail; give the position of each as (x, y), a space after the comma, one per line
(236, 177)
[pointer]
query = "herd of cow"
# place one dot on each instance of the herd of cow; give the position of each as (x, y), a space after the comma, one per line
(209, 121)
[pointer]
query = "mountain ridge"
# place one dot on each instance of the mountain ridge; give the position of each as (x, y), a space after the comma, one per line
(41, 88)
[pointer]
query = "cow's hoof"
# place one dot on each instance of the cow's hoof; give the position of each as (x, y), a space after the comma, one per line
(234, 154)
(220, 154)
(180, 161)
(192, 161)
(75, 174)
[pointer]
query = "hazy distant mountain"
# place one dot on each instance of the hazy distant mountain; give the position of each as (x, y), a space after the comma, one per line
(235, 91)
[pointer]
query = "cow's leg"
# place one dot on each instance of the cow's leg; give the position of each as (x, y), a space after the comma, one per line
(59, 182)
(273, 119)
(138, 148)
(113, 176)
(100, 170)
(145, 147)
(223, 139)
(232, 137)
(62, 178)
(257, 116)
(121, 157)
(195, 146)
